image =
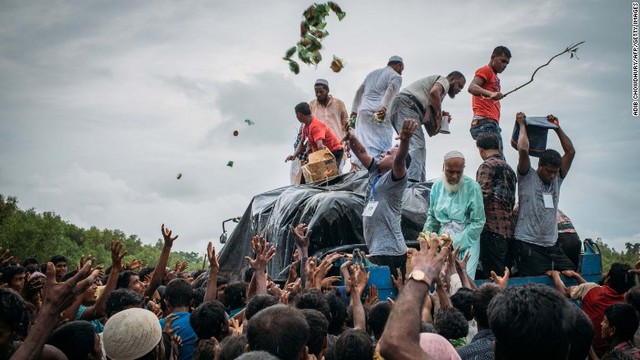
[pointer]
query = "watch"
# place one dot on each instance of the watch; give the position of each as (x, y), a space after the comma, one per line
(419, 275)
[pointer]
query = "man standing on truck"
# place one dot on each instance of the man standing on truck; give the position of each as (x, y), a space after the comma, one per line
(485, 88)
(536, 248)
(330, 110)
(383, 203)
(315, 134)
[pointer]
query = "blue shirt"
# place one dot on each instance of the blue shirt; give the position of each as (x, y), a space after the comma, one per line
(186, 333)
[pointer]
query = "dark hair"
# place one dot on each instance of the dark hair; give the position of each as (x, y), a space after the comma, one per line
(456, 75)
(198, 296)
(619, 278)
(427, 327)
(318, 328)
(501, 50)
(532, 321)
(232, 347)
(8, 272)
(145, 271)
(481, 298)
(178, 293)
(122, 299)
(280, 330)
(247, 275)
(76, 339)
(451, 324)
(209, 319)
(29, 261)
(378, 316)
(581, 335)
(353, 345)
(463, 301)
(338, 312)
(258, 303)
(235, 295)
(550, 157)
(124, 278)
(625, 318)
(57, 258)
(313, 299)
(204, 350)
(488, 141)
(633, 297)
(257, 355)
(14, 312)
(303, 108)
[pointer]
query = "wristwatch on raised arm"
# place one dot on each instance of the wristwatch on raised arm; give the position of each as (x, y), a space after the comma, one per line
(419, 275)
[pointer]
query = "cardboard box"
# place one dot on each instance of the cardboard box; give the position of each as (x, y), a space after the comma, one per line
(321, 166)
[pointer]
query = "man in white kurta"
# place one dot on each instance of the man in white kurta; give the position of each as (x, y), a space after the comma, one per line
(373, 98)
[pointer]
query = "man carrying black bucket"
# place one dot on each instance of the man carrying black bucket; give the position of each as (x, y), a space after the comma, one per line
(536, 248)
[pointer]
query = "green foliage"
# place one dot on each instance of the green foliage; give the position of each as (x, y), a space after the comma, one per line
(630, 255)
(312, 32)
(30, 234)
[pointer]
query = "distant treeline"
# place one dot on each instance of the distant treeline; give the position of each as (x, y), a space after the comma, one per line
(41, 235)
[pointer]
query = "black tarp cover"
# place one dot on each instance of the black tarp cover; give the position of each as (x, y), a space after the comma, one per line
(332, 210)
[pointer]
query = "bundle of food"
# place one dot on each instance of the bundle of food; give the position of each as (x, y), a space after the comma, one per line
(443, 239)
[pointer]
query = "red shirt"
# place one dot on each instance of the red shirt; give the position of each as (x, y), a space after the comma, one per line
(482, 106)
(318, 130)
(593, 304)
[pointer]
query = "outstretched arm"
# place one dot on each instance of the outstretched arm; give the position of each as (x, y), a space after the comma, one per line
(401, 338)
(399, 169)
(358, 149)
(214, 267)
(567, 147)
(158, 273)
(524, 163)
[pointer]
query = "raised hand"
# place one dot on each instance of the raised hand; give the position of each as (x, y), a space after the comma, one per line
(301, 235)
(359, 279)
(371, 298)
(264, 252)
(328, 282)
(409, 126)
(213, 259)
(520, 117)
(5, 258)
(428, 259)
(502, 281)
(166, 234)
(59, 295)
(397, 281)
(135, 264)
(168, 322)
(117, 253)
(554, 120)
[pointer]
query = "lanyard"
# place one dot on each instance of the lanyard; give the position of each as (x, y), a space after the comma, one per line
(373, 187)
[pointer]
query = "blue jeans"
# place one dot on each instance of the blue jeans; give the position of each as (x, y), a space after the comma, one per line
(485, 125)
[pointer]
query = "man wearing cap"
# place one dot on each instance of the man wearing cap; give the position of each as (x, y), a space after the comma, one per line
(485, 88)
(373, 99)
(419, 101)
(536, 247)
(132, 334)
(329, 110)
(456, 208)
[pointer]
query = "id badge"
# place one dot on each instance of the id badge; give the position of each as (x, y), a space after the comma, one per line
(548, 201)
(370, 208)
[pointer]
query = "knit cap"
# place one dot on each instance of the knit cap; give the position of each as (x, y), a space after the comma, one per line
(130, 334)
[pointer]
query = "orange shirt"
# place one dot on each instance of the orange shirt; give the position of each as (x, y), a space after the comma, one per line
(318, 130)
(482, 106)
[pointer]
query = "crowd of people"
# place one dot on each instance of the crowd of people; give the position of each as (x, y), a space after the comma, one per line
(60, 310)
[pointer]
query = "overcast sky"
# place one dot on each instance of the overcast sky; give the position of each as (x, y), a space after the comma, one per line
(102, 104)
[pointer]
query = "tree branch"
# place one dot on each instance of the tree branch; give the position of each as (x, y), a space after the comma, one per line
(570, 49)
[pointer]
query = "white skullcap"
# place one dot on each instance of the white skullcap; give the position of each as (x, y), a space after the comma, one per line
(395, 58)
(322, 82)
(130, 334)
(453, 154)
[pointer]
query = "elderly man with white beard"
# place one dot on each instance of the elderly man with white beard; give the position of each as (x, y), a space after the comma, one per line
(457, 209)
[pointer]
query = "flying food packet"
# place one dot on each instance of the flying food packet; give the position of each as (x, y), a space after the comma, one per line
(249, 122)
(230, 163)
